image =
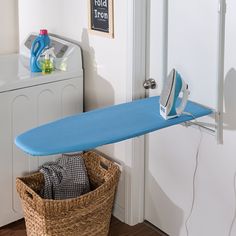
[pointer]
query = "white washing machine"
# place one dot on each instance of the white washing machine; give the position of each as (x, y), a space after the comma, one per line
(28, 100)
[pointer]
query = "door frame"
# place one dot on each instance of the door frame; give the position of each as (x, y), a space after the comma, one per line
(138, 55)
(136, 74)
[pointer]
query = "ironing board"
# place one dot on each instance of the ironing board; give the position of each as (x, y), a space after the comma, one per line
(91, 129)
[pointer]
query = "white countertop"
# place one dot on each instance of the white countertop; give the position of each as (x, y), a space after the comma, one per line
(15, 73)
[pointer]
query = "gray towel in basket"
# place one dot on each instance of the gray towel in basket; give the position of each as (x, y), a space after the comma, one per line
(65, 178)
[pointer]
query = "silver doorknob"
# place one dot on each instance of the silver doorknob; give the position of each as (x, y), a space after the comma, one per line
(149, 84)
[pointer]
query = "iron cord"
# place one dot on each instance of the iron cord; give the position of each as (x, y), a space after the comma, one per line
(194, 180)
(234, 218)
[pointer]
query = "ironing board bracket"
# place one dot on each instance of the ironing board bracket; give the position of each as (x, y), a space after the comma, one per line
(211, 128)
(208, 127)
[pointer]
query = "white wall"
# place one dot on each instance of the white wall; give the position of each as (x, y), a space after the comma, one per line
(105, 59)
(8, 26)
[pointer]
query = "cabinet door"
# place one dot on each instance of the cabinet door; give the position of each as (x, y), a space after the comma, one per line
(21, 110)
(57, 100)
(17, 115)
(72, 97)
(48, 102)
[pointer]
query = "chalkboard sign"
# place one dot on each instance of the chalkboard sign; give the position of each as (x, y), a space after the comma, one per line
(101, 17)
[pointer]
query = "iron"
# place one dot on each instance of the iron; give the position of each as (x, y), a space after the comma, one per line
(169, 101)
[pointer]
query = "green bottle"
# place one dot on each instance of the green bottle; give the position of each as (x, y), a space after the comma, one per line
(47, 63)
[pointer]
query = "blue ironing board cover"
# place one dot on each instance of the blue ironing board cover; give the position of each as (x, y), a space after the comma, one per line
(91, 129)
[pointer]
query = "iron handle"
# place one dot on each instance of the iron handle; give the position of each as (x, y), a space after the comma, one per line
(149, 84)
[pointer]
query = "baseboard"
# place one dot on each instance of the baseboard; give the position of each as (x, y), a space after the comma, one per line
(8, 219)
(119, 212)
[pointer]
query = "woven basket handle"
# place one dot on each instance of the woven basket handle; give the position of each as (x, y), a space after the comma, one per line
(26, 193)
(105, 164)
(29, 195)
(109, 168)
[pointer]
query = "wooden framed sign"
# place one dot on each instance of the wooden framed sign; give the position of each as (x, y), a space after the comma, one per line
(101, 17)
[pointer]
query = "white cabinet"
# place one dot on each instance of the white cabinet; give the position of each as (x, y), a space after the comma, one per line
(21, 110)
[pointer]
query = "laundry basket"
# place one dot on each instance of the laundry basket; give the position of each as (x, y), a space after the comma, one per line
(87, 215)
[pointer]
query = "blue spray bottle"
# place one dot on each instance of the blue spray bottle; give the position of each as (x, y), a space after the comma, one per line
(39, 44)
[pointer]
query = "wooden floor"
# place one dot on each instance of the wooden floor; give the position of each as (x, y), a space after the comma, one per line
(117, 229)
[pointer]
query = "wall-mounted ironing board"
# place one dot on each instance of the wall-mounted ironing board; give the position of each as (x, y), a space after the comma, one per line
(101, 126)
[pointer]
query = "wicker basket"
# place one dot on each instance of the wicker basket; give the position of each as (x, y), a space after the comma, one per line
(86, 215)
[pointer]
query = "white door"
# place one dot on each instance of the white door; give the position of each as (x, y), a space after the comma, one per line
(171, 153)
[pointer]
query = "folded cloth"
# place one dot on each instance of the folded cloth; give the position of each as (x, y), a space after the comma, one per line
(65, 178)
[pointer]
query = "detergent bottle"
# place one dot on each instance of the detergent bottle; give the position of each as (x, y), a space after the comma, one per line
(40, 43)
(47, 63)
